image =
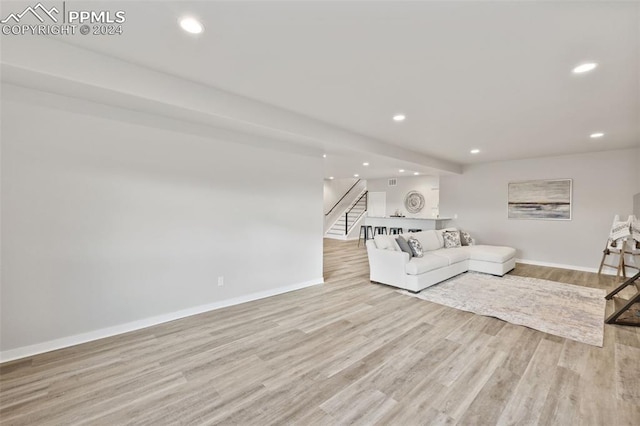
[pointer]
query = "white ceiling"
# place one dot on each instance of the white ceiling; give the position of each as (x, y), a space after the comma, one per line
(489, 75)
(341, 163)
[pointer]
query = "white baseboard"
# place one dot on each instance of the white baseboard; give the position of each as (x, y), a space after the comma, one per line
(556, 265)
(606, 270)
(77, 339)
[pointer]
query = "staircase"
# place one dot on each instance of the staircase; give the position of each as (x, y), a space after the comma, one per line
(348, 219)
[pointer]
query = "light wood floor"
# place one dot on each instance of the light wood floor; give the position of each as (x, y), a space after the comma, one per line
(346, 352)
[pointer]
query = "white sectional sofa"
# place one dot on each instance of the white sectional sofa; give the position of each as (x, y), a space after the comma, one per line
(389, 265)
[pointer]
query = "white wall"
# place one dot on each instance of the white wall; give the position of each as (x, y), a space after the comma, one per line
(638, 170)
(106, 223)
(603, 185)
(636, 198)
(334, 189)
(427, 185)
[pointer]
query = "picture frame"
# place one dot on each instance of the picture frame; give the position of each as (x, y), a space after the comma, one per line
(548, 199)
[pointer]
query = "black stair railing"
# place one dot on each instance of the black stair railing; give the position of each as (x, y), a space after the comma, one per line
(342, 198)
(346, 215)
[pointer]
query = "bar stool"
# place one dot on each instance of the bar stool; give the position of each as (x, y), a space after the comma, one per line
(414, 230)
(395, 231)
(366, 231)
(379, 230)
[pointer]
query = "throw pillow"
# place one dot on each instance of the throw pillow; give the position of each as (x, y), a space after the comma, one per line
(416, 247)
(619, 231)
(439, 234)
(404, 246)
(451, 239)
(465, 238)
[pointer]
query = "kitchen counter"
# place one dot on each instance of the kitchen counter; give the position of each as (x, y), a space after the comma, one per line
(406, 223)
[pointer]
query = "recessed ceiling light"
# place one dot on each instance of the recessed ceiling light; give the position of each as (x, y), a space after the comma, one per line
(399, 117)
(330, 177)
(356, 175)
(416, 173)
(586, 67)
(191, 25)
(324, 155)
(596, 135)
(365, 164)
(475, 151)
(401, 170)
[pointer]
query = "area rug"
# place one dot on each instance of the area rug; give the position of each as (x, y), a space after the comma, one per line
(564, 310)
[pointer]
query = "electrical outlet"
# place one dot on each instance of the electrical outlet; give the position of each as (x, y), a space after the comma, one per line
(455, 216)
(220, 281)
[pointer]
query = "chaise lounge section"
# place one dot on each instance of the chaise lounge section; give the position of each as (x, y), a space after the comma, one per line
(389, 265)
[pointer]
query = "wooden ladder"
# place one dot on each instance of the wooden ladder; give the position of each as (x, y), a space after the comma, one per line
(627, 311)
(621, 267)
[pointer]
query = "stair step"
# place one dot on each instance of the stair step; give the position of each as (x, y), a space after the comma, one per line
(336, 237)
(347, 221)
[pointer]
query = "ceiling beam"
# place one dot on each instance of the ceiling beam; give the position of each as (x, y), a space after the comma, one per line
(57, 67)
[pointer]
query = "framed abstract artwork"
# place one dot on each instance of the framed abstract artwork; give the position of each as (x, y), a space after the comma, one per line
(540, 199)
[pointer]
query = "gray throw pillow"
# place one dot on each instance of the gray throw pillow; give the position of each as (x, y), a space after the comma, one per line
(416, 247)
(404, 246)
